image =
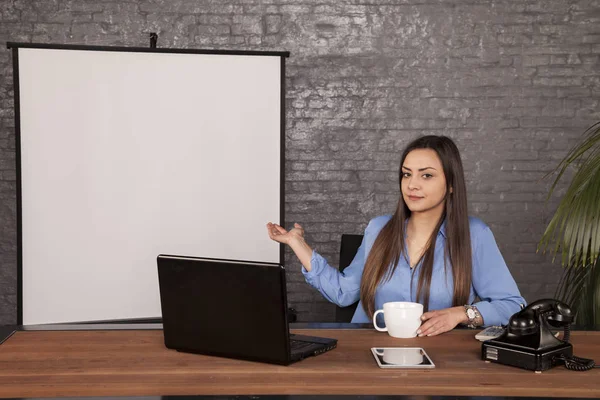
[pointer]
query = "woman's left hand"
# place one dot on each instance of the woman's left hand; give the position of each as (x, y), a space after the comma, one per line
(440, 321)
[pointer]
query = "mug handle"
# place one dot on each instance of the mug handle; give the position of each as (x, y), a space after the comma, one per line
(375, 322)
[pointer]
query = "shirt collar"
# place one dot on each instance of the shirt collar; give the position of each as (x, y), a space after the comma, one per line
(443, 229)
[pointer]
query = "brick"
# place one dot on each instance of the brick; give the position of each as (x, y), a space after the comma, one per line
(587, 17)
(556, 71)
(125, 14)
(535, 60)
(301, 176)
(73, 6)
(220, 30)
(273, 24)
(588, 113)
(514, 155)
(184, 7)
(594, 38)
(292, 9)
(9, 13)
(566, 81)
(297, 166)
(260, 9)
(324, 165)
(573, 92)
(334, 175)
(246, 25)
(589, 59)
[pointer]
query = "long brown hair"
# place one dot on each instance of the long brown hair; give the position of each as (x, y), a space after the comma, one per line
(389, 245)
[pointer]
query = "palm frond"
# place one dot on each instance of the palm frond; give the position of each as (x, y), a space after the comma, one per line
(570, 285)
(580, 288)
(575, 153)
(587, 301)
(573, 230)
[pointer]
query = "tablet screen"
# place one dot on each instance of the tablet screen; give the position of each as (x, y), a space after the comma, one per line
(402, 357)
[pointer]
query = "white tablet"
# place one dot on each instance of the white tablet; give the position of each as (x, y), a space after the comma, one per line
(402, 357)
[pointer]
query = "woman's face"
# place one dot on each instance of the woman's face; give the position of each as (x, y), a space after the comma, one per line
(423, 181)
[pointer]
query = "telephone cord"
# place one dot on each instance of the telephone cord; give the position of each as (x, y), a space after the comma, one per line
(577, 363)
(567, 334)
(573, 362)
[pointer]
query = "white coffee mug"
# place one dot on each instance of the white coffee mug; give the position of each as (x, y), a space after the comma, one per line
(402, 318)
(401, 356)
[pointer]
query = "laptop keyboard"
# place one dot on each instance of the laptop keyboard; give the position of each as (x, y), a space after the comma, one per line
(299, 345)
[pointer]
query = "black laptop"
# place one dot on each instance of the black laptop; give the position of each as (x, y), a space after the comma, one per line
(229, 308)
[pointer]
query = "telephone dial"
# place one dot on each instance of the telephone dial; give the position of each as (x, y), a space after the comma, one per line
(528, 341)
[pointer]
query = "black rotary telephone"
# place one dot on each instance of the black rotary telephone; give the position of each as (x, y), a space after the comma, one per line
(528, 341)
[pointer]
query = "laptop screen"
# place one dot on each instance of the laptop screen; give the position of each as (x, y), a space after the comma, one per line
(225, 308)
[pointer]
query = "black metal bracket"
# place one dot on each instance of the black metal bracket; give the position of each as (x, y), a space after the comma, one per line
(153, 39)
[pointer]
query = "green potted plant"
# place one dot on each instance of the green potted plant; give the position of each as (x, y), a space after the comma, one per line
(574, 231)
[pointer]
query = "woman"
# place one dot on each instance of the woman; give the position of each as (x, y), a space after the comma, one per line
(454, 257)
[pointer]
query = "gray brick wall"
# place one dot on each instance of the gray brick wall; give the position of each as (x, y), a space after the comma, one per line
(515, 83)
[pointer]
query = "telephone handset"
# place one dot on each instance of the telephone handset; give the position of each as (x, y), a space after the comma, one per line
(528, 341)
(537, 316)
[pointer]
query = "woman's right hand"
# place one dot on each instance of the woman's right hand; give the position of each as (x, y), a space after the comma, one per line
(293, 238)
(279, 234)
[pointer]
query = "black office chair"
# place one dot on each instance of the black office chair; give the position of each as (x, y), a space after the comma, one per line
(348, 249)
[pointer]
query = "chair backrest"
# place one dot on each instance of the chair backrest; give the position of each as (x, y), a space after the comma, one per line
(348, 248)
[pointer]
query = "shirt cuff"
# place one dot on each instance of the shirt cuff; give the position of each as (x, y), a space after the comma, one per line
(316, 266)
(488, 313)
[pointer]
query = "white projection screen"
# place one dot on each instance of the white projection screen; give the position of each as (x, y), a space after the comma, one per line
(125, 154)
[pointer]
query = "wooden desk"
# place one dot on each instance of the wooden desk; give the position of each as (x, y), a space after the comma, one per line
(136, 363)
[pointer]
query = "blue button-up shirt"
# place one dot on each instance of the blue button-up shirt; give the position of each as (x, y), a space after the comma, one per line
(499, 297)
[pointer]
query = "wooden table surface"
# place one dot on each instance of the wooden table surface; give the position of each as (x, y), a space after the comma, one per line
(136, 363)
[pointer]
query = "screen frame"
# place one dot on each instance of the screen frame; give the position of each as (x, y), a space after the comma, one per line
(15, 46)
